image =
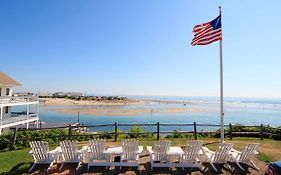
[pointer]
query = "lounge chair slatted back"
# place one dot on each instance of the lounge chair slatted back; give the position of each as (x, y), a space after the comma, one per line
(160, 150)
(70, 153)
(221, 155)
(130, 149)
(40, 150)
(41, 154)
(97, 148)
(69, 150)
(246, 155)
(248, 152)
(192, 151)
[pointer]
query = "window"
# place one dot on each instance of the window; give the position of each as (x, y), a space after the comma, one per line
(6, 110)
(7, 91)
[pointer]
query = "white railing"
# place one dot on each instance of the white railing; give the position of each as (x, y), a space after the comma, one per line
(23, 99)
(18, 118)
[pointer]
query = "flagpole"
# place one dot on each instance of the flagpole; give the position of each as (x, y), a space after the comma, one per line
(221, 90)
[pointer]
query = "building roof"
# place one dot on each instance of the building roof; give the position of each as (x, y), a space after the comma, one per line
(5, 80)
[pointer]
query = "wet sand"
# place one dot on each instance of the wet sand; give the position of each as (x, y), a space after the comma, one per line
(129, 107)
(69, 102)
(124, 111)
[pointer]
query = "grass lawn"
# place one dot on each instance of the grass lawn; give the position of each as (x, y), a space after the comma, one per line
(19, 161)
(15, 162)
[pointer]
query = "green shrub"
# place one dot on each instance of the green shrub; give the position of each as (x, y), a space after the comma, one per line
(177, 134)
(105, 135)
(24, 137)
(135, 132)
(138, 132)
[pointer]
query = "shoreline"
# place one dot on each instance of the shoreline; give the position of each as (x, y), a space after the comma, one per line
(70, 102)
(128, 107)
(119, 111)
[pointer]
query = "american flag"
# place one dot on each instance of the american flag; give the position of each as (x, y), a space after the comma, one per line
(208, 32)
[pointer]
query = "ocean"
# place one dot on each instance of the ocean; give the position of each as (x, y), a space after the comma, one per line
(246, 111)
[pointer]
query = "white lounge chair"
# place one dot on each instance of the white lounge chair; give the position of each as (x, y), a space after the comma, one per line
(41, 154)
(158, 154)
(70, 153)
(191, 156)
(97, 157)
(221, 156)
(131, 154)
(246, 155)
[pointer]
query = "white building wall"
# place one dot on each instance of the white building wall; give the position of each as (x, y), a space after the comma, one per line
(6, 101)
(4, 94)
(11, 91)
(5, 115)
(3, 91)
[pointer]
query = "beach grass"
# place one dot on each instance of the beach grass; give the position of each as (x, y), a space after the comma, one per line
(19, 161)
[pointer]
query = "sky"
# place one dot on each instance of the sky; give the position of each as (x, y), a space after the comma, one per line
(130, 47)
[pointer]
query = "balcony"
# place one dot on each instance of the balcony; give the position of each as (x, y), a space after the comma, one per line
(17, 119)
(10, 100)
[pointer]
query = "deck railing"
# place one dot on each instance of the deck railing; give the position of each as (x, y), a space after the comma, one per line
(17, 118)
(22, 99)
(76, 131)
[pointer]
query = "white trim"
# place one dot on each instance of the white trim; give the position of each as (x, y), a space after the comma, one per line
(19, 103)
(15, 101)
(19, 122)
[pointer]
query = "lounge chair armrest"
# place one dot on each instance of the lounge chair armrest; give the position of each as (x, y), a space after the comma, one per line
(149, 149)
(81, 151)
(234, 150)
(86, 148)
(205, 149)
(55, 151)
(140, 149)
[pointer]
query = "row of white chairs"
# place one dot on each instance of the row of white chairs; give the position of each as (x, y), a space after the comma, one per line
(95, 154)
(195, 154)
(161, 154)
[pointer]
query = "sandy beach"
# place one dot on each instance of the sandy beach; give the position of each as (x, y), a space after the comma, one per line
(70, 102)
(128, 107)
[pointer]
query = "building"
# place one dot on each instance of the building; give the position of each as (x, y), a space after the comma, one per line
(45, 94)
(75, 94)
(68, 94)
(16, 110)
(59, 94)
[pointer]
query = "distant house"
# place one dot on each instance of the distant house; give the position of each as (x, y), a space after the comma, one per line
(69, 94)
(8, 118)
(59, 94)
(45, 94)
(75, 94)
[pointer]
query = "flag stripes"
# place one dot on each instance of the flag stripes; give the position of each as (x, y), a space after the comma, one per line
(207, 33)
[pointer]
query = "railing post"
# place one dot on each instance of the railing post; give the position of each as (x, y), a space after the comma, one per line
(69, 131)
(158, 131)
(230, 131)
(195, 131)
(261, 133)
(15, 136)
(115, 132)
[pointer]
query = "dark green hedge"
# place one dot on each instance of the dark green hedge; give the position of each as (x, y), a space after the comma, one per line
(53, 136)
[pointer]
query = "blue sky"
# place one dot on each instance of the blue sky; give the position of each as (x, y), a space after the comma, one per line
(142, 47)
